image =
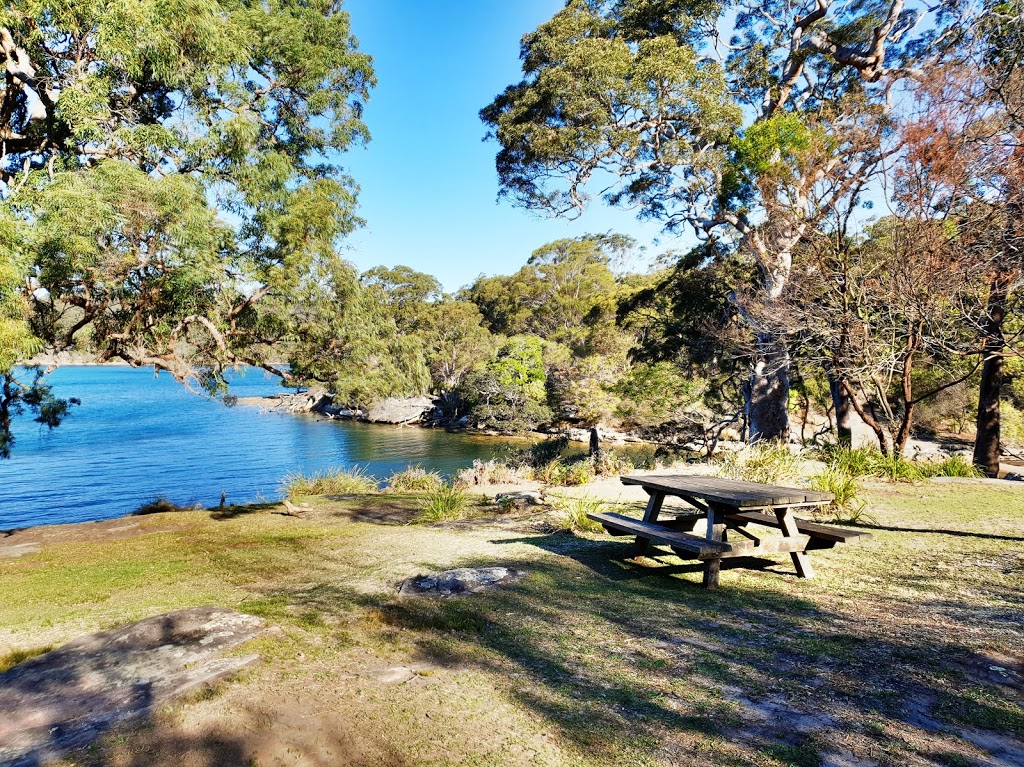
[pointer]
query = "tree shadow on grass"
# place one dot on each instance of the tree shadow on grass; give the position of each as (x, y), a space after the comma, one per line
(627, 661)
(938, 531)
(234, 512)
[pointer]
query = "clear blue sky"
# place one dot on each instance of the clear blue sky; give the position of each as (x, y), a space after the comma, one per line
(429, 189)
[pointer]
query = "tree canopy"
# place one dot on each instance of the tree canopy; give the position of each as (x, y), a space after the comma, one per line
(169, 180)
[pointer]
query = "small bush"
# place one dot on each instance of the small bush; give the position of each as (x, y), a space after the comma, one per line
(162, 505)
(448, 503)
(354, 481)
(766, 462)
(847, 506)
(572, 514)
(415, 479)
(610, 464)
(954, 466)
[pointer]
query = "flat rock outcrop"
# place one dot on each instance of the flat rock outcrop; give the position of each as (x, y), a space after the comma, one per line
(69, 696)
(459, 582)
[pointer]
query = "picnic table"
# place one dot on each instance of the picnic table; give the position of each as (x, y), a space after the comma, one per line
(735, 512)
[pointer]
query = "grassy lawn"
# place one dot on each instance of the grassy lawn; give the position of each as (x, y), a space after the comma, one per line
(905, 650)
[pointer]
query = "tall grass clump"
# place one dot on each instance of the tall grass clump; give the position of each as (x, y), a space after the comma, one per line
(856, 461)
(954, 466)
(869, 462)
(847, 505)
(161, 506)
(449, 502)
(354, 481)
(415, 479)
(766, 462)
(490, 472)
(572, 514)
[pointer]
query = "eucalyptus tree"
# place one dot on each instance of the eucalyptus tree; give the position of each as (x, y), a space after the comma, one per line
(743, 122)
(170, 177)
(1000, 62)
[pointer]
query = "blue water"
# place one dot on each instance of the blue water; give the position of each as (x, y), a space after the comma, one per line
(137, 437)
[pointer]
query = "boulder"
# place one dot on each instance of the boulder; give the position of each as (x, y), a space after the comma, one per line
(68, 697)
(399, 410)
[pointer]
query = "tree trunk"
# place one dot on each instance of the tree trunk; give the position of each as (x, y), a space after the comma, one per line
(866, 417)
(768, 406)
(841, 405)
(986, 442)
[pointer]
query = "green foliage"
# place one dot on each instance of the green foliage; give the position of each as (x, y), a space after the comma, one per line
(349, 340)
(415, 479)
(508, 393)
(766, 462)
(655, 393)
(572, 513)
(447, 503)
(174, 188)
(354, 481)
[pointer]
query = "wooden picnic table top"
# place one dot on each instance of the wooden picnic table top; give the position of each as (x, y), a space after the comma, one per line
(730, 492)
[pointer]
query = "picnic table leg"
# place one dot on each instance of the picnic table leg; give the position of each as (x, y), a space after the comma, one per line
(801, 561)
(641, 546)
(716, 532)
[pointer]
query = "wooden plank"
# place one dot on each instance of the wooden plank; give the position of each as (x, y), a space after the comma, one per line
(657, 533)
(643, 544)
(801, 561)
(730, 492)
(813, 529)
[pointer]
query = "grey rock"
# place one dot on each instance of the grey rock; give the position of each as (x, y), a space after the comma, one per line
(399, 410)
(459, 582)
(68, 697)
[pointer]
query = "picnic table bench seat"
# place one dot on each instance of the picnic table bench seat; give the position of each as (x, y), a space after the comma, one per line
(729, 506)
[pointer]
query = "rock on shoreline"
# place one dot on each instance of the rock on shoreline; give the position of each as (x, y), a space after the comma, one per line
(393, 410)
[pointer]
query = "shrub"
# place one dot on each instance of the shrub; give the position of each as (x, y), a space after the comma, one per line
(415, 479)
(447, 503)
(354, 481)
(847, 506)
(765, 462)
(572, 514)
(611, 464)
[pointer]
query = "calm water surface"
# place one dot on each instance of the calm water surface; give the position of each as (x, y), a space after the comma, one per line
(137, 436)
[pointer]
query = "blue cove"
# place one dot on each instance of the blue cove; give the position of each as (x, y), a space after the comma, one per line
(138, 436)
